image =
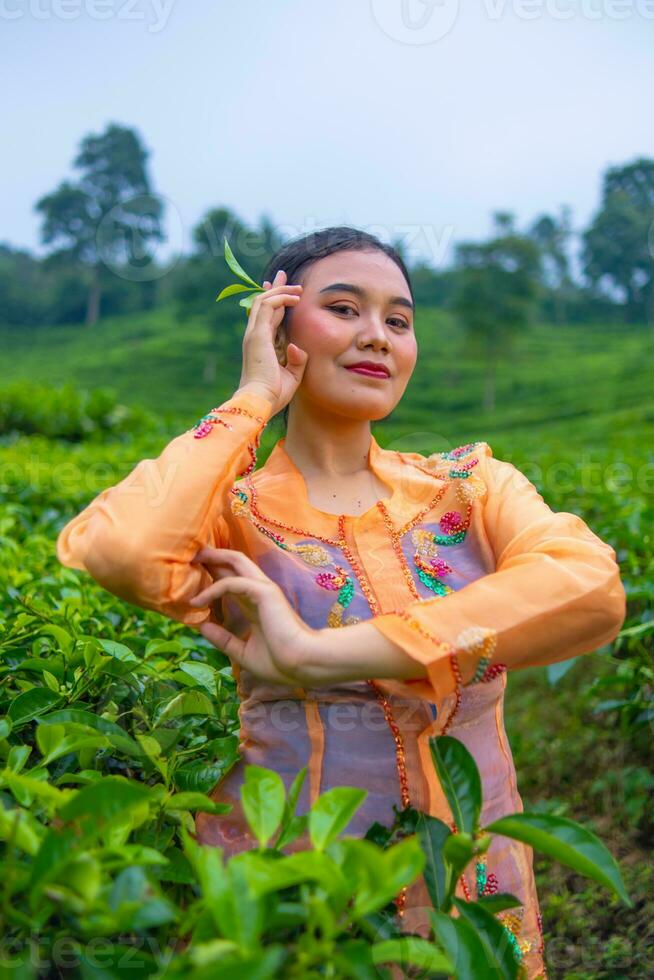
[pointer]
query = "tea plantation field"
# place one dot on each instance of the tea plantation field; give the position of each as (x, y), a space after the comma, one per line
(91, 687)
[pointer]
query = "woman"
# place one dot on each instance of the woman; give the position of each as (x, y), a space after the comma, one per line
(441, 572)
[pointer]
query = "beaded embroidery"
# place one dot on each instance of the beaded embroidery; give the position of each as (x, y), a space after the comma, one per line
(426, 559)
(480, 642)
(337, 581)
(205, 425)
(468, 487)
(510, 919)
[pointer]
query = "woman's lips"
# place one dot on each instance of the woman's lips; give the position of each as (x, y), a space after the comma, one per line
(369, 372)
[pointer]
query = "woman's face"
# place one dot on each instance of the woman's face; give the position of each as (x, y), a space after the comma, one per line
(370, 320)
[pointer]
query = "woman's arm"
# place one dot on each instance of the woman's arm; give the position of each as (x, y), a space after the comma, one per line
(137, 538)
(361, 652)
(556, 593)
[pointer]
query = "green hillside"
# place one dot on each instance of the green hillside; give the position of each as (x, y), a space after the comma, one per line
(576, 385)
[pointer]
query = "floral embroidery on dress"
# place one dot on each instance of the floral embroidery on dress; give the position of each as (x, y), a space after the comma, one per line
(469, 486)
(430, 566)
(313, 554)
(205, 425)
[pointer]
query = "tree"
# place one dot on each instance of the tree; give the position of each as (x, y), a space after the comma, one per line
(199, 279)
(618, 247)
(552, 235)
(496, 293)
(109, 216)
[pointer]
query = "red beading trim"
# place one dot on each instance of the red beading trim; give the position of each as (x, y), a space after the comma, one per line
(205, 425)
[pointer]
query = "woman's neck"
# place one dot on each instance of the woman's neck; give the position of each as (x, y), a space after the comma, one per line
(325, 445)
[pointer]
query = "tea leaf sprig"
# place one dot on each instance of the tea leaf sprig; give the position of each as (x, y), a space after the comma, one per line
(252, 287)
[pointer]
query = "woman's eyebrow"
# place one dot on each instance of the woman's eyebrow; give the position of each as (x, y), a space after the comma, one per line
(340, 287)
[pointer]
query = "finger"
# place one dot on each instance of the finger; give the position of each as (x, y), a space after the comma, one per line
(224, 640)
(271, 298)
(212, 556)
(231, 558)
(238, 586)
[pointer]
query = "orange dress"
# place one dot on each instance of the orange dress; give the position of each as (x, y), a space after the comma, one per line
(464, 566)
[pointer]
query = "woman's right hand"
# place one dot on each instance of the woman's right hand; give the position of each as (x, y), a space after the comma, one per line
(261, 371)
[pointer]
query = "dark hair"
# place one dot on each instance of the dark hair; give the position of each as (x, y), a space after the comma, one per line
(297, 255)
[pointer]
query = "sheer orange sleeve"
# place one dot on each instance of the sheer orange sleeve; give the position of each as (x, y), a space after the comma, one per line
(555, 593)
(137, 538)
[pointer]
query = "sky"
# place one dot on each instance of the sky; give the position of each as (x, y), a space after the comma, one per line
(412, 119)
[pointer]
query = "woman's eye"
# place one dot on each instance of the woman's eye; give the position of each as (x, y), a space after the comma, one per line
(348, 309)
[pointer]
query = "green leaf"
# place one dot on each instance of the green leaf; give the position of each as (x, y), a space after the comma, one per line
(380, 875)
(57, 849)
(332, 812)
(296, 826)
(100, 802)
(17, 757)
(494, 936)
(353, 959)
(459, 850)
(118, 962)
(54, 665)
(432, 834)
(80, 721)
(217, 892)
(410, 950)
(202, 674)
(21, 827)
(119, 651)
(267, 873)
(27, 788)
(77, 744)
(188, 703)
(214, 950)
(27, 706)
(84, 876)
(48, 737)
(230, 258)
(198, 777)
(263, 796)
(459, 777)
(292, 826)
(498, 902)
(465, 948)
(199, 802)
(232, 290)
(58, 633)
(51, 681)
(565, 841)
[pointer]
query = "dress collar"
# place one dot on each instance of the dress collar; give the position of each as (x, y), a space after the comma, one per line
(282, 495)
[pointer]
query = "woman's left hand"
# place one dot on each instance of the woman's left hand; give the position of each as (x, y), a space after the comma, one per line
(276, 649)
